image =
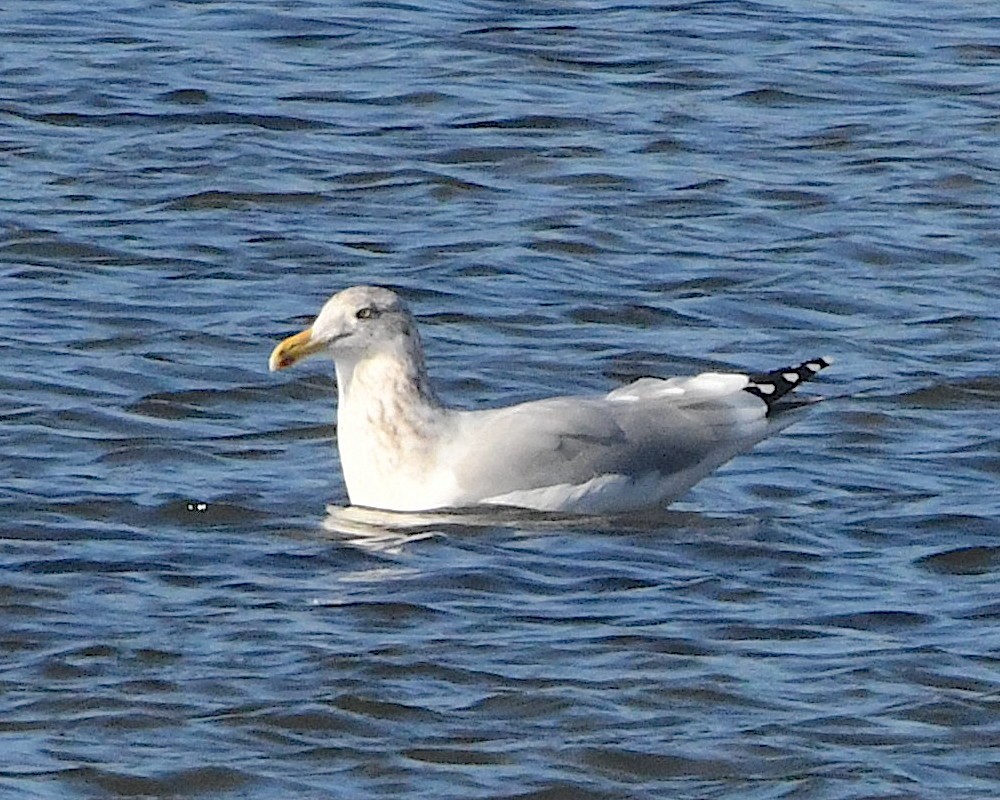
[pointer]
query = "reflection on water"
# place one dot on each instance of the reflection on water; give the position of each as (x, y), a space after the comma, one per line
(387, 531)
(392, 530)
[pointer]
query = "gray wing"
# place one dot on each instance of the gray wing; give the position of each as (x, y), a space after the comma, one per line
(651, 426)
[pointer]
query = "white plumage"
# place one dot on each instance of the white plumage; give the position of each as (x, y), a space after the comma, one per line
(640, 445)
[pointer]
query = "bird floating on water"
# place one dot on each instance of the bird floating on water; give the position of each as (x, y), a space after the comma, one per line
(638, 446)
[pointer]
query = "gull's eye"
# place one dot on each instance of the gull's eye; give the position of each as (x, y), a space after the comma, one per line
(365, 313)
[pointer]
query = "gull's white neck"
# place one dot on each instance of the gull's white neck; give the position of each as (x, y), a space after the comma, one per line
(387, 417)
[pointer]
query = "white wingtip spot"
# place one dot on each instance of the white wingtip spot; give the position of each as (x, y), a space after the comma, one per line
(765, 388)
(791, 377)
(812, 366)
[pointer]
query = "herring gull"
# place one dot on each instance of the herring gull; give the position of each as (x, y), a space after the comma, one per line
(638, 446)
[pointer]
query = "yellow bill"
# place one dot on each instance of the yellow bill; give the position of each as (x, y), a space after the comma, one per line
(293, 349)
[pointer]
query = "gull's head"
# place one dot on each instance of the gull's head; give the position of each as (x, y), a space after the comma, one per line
(353, 323)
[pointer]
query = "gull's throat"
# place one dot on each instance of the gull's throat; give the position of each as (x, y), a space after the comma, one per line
(387, 422)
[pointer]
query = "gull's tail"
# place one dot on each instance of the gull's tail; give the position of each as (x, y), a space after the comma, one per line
(772, 386)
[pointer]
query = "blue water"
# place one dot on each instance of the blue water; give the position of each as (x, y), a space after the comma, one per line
(569, 196)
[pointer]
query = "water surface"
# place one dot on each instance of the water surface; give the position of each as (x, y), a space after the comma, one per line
(570, 196)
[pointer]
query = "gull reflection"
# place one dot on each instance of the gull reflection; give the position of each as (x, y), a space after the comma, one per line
(391, 531)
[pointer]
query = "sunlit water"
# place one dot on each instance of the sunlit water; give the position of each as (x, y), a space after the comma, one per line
(570, 196)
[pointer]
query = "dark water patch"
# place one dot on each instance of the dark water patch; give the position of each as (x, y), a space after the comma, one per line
(450, 318)
(369, 707)
(976, 53)
(769, 633)
(418, 99)
(664, 145)
(387, 614)
(696, 286)
(486, 155)
(678, 207)
(956, 395)
(201, 512)
(188, 97)
(654, 765)
(943, 87)
(50, 249)
(532, 122)
(372, 178)
(971, 560)
(571, 619)
(960, 182)
(623, 66)
(614, 584)
(889, 621)
(969, 687)
(523, 705)
(389, 183)
(838, 137)
(111, 344)
(772, 555)
(595, 180)
(565, 791)
(964, 525)
(192, 782)
(67, 119)
(156, 657)
(68, 566)
(567, 247)
(373, 248)
(137, 721)
(291, 433)
(152, 453)
(307, 39)
(640, 316)
(168, 408)
(25, 596)
(170, 403)
(574, 152)
(309, 720)
(637, 643)
(101, 509)
(218, 199)
(478, 582)
(777, 98)
(713, 696)
(947, 714)
(445, 188)
(795, 198)
(457, 756)
(532, 28)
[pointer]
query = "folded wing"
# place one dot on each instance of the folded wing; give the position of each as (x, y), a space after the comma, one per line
(651, 437)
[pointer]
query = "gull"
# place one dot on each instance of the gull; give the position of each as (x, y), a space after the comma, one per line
(640, 445)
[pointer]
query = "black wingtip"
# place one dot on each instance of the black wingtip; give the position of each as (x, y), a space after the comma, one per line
(773, 386)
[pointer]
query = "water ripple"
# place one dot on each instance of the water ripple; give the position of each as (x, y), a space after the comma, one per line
(570, 197)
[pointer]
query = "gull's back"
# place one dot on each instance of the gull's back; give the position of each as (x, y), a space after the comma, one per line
(641, 445)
